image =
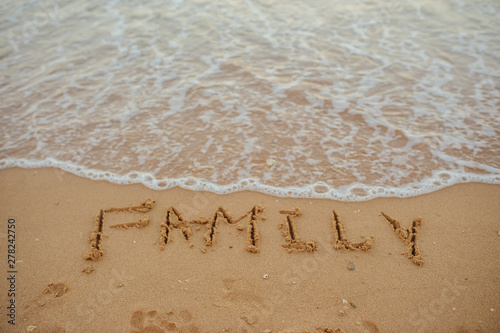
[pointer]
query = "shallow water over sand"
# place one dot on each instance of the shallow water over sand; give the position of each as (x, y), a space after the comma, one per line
(318, 99)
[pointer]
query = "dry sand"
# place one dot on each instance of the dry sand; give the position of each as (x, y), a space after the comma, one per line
(296, 271)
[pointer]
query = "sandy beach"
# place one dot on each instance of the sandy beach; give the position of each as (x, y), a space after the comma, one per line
(250, 166)
(305, 269)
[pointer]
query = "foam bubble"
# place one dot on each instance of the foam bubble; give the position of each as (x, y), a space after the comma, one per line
(190, 181)
(320, 188)
(359, 191)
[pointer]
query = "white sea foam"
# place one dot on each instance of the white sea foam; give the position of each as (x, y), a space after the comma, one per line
(349, 101)
(353, 192)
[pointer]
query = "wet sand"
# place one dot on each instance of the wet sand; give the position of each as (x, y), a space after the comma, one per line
(199, 262)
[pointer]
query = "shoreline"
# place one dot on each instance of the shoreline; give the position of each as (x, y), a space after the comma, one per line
(353, 192)
(217, 284)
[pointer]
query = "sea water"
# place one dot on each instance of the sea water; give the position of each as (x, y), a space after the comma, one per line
(349, 100)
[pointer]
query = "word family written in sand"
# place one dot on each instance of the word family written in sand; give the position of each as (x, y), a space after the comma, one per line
(174, 220)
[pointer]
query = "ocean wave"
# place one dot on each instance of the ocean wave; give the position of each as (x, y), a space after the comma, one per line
(338, 100)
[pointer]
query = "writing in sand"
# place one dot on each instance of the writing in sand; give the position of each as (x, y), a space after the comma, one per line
(174, 220)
